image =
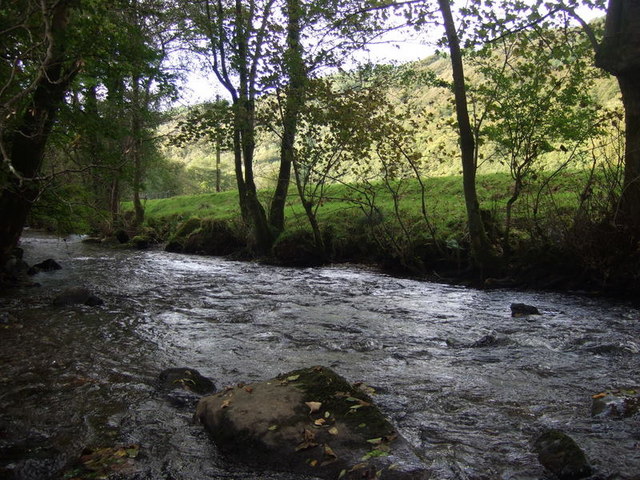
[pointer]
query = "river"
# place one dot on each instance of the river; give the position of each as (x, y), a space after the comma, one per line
(469, 386)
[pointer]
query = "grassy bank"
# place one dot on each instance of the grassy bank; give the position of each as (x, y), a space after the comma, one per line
(559, 236)
(443, 200)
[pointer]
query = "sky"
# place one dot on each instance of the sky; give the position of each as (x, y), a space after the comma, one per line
(398, 47)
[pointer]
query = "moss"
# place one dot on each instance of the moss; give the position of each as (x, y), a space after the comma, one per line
(346, 403)
(187, 227)
(297, 248)
(140, 242)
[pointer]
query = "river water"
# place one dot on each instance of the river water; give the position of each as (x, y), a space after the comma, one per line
(469, 386)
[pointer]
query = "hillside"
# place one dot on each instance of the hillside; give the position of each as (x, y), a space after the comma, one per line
(414, 87)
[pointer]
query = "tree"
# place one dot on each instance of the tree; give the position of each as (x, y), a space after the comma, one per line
(481, 249)
(619, 54)
(35, 73)
(534, 99)
(296, 72)
(235, 35)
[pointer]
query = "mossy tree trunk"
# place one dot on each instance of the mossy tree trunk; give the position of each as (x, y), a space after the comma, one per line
(28, 139)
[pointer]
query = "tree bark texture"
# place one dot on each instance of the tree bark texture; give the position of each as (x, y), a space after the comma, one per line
(481, 249)
(28, 140)
(619, 54)
(296, 71)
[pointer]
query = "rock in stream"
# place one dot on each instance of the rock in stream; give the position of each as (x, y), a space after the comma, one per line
(309, 421)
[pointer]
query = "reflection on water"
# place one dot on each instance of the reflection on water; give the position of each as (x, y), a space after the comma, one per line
(468, 385)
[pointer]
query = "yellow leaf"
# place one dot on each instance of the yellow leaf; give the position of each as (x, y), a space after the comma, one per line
(313, 406)
(333, 431)
(328, 451)
(599, 395)
(319, 422)
(272, 428)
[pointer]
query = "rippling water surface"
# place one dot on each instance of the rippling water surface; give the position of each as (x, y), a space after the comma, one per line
(469, 386)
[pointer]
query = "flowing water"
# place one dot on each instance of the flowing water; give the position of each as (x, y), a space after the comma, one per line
(468, 385)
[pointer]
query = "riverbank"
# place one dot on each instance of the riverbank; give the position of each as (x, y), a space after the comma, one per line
(554, 239)
(557, 236)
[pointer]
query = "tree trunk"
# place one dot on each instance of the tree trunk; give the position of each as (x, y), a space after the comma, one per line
(296, 71)
(619, 54)
(237, 162)
(218, 149)
(481, 249)
(29, 140)
(629, 214)
(135, 150)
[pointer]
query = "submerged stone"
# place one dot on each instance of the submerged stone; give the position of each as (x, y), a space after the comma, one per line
(618, 403)
(77, 296)
(522, 309)
(182, 378)
(309, 421)
(48, 265)
(562, 456)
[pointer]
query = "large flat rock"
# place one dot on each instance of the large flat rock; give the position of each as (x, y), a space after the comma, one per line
(309, 421)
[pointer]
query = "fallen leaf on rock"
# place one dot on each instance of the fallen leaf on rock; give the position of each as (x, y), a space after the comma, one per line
(327, 414)
(320, 422)
(328, 451)
(374, 454)
(225, 404)
(313, 406)
(333, 431)
(358, 466)
(308, 438)
(375, 441)
(313, 462)
(599, 395)
(248, 389)
(293, 378)
(273, 427)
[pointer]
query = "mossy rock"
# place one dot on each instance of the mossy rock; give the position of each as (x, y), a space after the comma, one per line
(562, 456)
(616, 403)
(187, 227)
(214, 237)
(174, 245)
(121, 236)
(140, 242)
(297, 248)
(183, 378)
(310, 421)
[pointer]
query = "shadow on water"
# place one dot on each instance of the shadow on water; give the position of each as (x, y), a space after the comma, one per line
(468, 385)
